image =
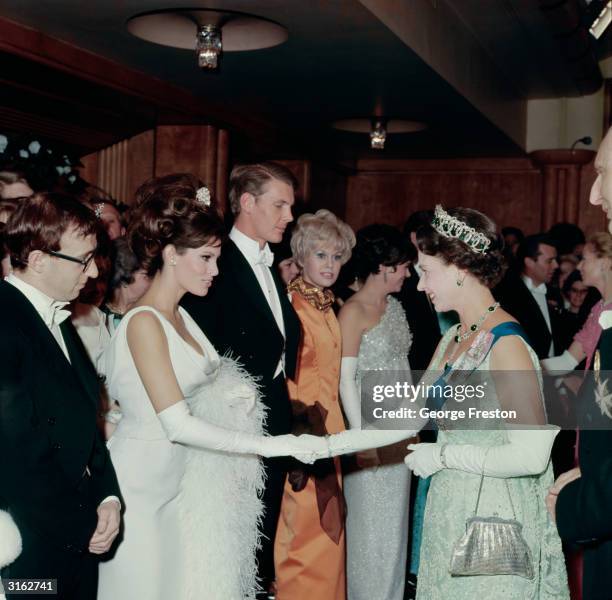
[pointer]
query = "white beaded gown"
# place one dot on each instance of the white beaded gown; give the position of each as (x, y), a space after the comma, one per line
(191, 515)
(377, 498)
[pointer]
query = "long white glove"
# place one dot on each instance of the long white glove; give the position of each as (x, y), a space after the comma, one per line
(526, 452)
(182, 427)
(560, 365)
(349, 391)
(357, 440)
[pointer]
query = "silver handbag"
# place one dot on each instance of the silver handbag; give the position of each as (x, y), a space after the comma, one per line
(491, 546)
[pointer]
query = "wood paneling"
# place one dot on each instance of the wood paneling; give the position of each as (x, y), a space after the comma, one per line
(510, 191)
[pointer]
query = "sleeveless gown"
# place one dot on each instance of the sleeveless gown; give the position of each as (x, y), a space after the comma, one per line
(378, 498)
(451, 501)
(191, 515)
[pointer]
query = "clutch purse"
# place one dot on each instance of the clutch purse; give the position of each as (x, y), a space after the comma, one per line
(491, 546)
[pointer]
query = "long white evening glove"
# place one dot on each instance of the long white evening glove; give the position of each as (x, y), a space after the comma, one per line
(349, 391)
(182, 427)
(526, 452)
(357, 440)
(560, 365)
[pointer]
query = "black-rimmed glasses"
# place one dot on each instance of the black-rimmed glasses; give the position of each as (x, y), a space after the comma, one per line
(84, 262)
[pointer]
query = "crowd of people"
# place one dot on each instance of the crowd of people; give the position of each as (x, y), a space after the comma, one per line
(182, 414)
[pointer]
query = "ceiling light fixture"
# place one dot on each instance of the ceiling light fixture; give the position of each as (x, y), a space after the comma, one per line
(208, 46)
(601, 22)
(211, 32)
(379, 128)
(378, 135)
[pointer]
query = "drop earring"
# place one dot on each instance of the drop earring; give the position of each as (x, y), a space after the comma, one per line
(173, 262)
(459, 282)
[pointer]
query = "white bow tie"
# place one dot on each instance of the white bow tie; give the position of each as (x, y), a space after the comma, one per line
(266, 257)
(56, 314)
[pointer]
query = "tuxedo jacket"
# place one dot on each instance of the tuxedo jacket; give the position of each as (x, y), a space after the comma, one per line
(515, 298)
(423, 322)
(237, 319)
(55, 467)
(584, 507)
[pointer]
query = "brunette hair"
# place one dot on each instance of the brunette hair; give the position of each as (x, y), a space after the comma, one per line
(251, 179)
(488, 267)
(167, 212)
(39, 222)
(380, 245)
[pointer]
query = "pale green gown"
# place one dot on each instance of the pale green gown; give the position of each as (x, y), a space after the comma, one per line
(451, 500)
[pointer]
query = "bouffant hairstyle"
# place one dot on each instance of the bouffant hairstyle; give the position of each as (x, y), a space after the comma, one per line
(379, 245)
(321, 229)
(488, 267)
(167, 212)
(39, 222)
(252, 178)
(124, 263)
(601, 243)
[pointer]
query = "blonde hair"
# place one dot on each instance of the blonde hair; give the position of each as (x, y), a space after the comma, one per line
(602, 244)
(321, 228)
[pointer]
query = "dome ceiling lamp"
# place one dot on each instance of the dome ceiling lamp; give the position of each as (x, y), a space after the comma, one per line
(379, 128)
(207, 31)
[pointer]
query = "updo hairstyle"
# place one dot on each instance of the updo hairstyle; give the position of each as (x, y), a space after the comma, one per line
(320, 229)
(488, 267)
(377, 245)
(167, 212)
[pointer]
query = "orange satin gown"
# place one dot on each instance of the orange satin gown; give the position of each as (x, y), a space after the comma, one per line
(308, 563)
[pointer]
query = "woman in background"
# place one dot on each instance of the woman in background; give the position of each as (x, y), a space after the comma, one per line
(309, 551)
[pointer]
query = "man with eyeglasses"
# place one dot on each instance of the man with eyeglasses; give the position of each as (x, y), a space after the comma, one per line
(58, 484)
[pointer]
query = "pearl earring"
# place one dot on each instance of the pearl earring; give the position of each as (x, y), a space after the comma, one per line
(173, 262)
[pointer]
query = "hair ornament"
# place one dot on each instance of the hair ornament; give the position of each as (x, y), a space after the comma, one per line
(203, 196)
(98, 208)
(451, 227)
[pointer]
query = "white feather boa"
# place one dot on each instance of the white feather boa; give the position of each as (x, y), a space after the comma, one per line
(220, 505)
(10, 539)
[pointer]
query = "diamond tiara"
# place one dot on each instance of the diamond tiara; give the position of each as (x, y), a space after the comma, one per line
(450, 226)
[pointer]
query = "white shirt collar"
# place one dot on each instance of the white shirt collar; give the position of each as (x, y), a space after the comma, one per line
(50, 310)
(539, 289)
(250, 247)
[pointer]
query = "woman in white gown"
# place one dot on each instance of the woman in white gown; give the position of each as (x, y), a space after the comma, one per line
(185, 449)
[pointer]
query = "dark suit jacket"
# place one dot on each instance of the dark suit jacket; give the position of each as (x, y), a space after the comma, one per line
(48, 432)
(237, 319)
(423, 322)
(584, 507)
(515, 298)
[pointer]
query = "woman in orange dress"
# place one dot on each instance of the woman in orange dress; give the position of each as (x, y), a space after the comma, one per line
(309, 551)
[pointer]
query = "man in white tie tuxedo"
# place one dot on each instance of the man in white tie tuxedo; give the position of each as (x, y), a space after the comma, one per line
(58, 483)
(247, 313)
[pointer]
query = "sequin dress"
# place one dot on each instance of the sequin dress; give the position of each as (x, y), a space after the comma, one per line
(378, 498)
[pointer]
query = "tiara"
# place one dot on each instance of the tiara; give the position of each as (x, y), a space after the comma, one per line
(203, 195)
(452, 227)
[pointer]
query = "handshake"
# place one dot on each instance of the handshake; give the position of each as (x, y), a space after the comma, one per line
(310, 448)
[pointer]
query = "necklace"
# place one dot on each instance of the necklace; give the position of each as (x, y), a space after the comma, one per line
(474, 327)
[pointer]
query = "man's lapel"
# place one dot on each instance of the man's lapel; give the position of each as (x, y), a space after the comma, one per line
(246, 279)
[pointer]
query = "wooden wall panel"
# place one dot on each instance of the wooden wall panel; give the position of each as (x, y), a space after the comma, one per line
(510, 191)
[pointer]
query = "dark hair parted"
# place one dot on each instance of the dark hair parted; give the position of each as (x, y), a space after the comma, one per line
(167, 212)
(251, 179)
(530, 248)
(39, 222)
(377, 245)
(488, 267)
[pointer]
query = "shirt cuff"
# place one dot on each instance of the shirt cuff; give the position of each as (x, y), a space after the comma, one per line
(111, 499)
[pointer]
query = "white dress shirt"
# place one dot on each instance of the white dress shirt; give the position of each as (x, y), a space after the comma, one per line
(52, 312)
(539, 294)
(260, 260)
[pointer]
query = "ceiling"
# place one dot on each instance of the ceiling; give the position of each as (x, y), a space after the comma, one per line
(340, 61)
